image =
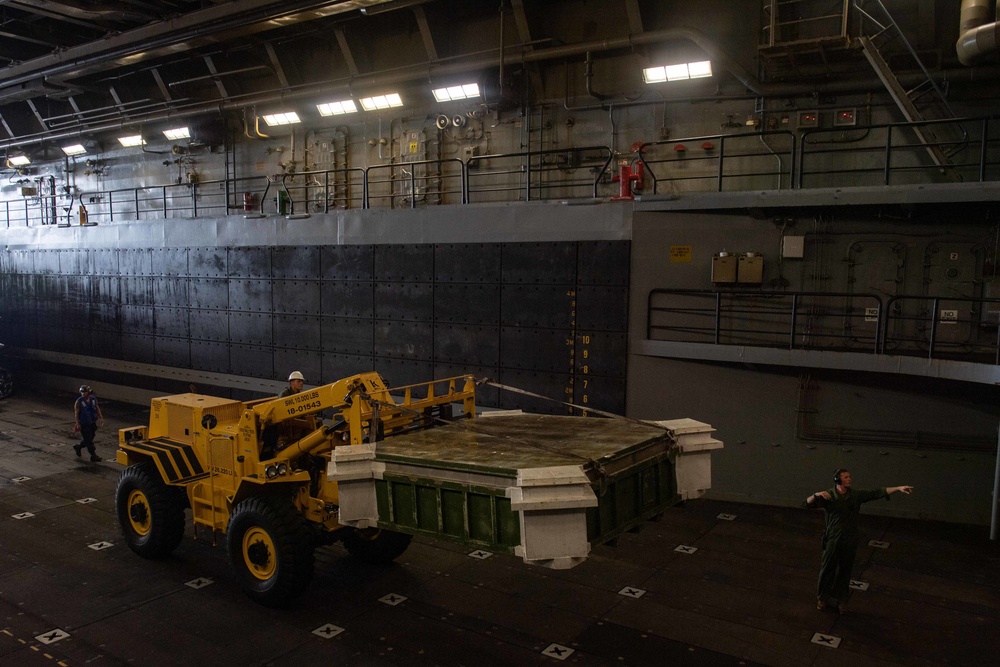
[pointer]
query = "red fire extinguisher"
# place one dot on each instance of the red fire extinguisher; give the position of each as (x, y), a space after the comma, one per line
(247, 201)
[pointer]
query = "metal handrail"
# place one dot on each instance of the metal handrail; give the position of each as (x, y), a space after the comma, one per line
(475, 164)
(799, 302)
(887, 149)
(413, 179)
(928, 322)
(718, 154)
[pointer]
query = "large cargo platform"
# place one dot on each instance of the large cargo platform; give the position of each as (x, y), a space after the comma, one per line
(543, 487)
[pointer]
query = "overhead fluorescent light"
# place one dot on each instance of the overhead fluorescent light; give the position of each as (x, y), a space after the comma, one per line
(700, 69)
(75, 149)
(284, 118)
(134, 140)
(337, 108)
(381, 102)
(19, 160)
(463, 92)
(177, 133)
(679, 72)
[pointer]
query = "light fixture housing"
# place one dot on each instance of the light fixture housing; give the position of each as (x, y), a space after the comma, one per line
(75, 149)
(464, 91)
(381, 102)
(337, 108)
(679, 72)
(132, 140)
(19, 160)
(283, 118)
(177, 133)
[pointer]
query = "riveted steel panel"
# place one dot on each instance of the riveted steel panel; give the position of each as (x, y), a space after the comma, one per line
(106, 289)
(137, 320)
(250, 295)
(138, 348)
(600, 392)
(404, 263)
(76, 341)
(347, 262)
(537, 349)
(547, 306)
(48, 287)
(74, 313)
(207, 262)
(135, 262)
(467, 262)
(295, 262)
(400, 372)
(46, 261)
(485, 395)
(336, 366)
(172, 351)
(105, 317)
(212, 325)
(170, 291)
(543, 263)
(251, 360)
(208, 293)
(170, 261)
(78, 288)
(467, 303)
(347, 298)
(104, 345)
(404, 301)
(73, 262)
(249, 262)
(49, 336)
(479, 346)
(296, 297)
(250, 328)
(601, 353)
(308, 362)
(300, 332)
(347, 335)
(136, 291)
(210, 356)
(104, 262)
(603, 262)
(171, 322)
(558, 386)
(404, 340)
(603, 308)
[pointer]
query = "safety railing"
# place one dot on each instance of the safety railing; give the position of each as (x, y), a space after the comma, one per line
(538, 175)
(893, 154)
(950, 328)
(721, 162)
(409, 183)
(829, 157)
(792, 320)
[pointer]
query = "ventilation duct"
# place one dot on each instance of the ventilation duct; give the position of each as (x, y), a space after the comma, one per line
(977, 37)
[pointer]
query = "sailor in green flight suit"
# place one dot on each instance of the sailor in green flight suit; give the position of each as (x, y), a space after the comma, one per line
(842, 505)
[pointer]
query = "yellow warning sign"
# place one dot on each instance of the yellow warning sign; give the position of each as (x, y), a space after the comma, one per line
(413, 147)
(680, 253)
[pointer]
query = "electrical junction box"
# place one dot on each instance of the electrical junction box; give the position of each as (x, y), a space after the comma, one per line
(29, 192)
(793, 247)
(845, 117)
(751, 269)
(808, 119)
(724, 268)
(471, 151)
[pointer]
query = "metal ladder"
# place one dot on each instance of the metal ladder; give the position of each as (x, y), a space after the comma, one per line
(924, 102)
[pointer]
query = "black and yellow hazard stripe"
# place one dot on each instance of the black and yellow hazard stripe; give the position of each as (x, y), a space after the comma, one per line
(176, 460)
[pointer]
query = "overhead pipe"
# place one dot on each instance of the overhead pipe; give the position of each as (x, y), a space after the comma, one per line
(460, 65)
(976, 37)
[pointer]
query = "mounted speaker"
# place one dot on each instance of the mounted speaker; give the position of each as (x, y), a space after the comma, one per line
(458, 121)
(442, 122)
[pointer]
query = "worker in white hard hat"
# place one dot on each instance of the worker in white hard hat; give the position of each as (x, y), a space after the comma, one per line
(295, 382)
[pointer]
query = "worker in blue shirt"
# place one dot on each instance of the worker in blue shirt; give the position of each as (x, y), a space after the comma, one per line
(842, 505)
(88, 416)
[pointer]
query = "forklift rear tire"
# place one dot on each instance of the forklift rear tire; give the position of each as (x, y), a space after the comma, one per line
(150, 513)
(270, 549)
(374, 545)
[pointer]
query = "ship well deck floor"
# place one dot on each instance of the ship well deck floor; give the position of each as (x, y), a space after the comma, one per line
(744, 597)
